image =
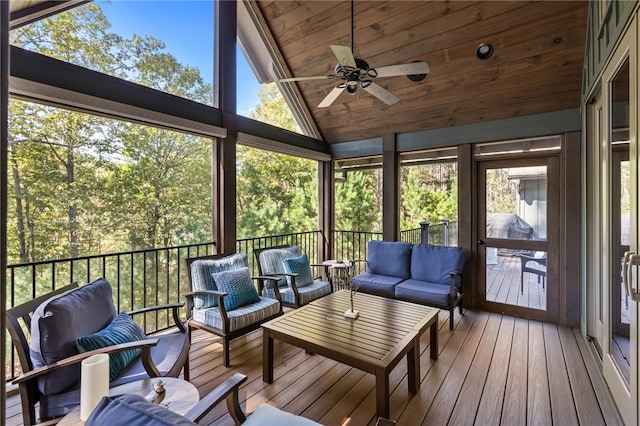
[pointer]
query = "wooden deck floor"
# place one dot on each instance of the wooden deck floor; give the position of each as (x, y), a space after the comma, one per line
(503, 285)
(493, 370)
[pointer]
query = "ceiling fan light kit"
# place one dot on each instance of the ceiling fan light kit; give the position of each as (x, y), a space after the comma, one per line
(355, 72)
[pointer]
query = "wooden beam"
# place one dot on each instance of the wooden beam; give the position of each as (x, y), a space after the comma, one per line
(466, 201)
(224, 213)
(58, 83)
(4, 152)
(390, 189)
(326, 210)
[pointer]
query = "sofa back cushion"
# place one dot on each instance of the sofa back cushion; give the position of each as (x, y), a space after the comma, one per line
(201, 278)
(58, 322)
(434, 263)
(392, 258)
(272, 262)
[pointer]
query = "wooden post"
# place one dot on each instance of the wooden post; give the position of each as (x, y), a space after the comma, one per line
(224, 150)
(390, 189)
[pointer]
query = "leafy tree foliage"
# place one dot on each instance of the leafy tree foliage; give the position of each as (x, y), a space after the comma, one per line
(358, 202)
(276, 193)
(82, 184)
(429, 192)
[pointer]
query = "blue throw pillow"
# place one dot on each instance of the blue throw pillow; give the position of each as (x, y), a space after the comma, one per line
(121, 330)
(238, 286)
(299, 265)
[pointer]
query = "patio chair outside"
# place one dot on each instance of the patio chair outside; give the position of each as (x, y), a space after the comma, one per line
(212, 294)
(533, 263)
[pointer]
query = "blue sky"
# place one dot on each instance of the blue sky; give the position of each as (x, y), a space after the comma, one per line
(186, 27)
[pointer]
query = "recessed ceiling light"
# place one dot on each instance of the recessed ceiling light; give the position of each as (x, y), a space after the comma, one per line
(484, 51)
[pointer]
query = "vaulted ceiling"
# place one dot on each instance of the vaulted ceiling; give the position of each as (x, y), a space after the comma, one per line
(536, 67)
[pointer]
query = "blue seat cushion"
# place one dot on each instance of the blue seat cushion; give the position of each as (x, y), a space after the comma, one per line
(201, 278)
(434, 263)
(392, 258)
(133, 410)
(266, 415)
(241, 317)
(424, 292)
(380, 285)
(121, 330)
(299, 265)
(57, 323)
(238, 286)
(308, 293)
(164, 356)
(271, 262)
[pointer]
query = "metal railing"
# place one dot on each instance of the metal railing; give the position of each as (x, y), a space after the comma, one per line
(444, 233)
(157, 276)
(139, 279)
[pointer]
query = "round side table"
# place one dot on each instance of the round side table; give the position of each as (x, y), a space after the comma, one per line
(179, 396)
(339, 273)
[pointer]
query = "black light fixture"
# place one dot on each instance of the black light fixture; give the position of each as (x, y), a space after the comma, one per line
(484, 51)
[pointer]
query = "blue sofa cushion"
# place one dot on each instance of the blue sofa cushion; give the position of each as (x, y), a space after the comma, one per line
(380, 285)
(57, 323)
(423, 292)
(267, 415)
(238, 286)
(201, 278)
(299, 265)
(133, 410)
(434, 263)
(389, 258)
(271, 262)
(121, 330)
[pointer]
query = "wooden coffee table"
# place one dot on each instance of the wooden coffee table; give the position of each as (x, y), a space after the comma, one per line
(375, 342)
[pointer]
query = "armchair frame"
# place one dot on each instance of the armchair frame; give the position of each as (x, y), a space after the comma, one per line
(225, 332)
(27, 381)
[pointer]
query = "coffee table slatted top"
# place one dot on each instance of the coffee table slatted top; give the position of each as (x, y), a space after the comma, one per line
(381, 331)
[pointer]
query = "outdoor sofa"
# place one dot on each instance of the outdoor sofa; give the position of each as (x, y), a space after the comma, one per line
(421, 273)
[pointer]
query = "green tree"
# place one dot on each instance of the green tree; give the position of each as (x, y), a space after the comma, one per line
(357, 202)
(83, 184)
(276, 193)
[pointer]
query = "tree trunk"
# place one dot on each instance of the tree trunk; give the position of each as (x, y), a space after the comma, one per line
(73, 234)
(22, 247)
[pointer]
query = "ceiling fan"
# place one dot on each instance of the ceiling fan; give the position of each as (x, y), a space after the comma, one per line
(355, 72)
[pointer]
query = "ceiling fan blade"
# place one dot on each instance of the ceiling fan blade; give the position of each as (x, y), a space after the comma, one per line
(314, 77)
(332, 96)
(344, 55)
(414, 68)
(381, 93)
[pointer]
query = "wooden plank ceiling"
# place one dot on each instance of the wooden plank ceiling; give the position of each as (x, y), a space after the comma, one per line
(536, 66)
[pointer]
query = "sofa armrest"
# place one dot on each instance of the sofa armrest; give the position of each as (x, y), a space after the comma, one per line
(145, 345)
(262, 278)
(219, 295)
(227, 390)
(455, 280)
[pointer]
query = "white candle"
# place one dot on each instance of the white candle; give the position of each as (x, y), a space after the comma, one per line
(94, 383)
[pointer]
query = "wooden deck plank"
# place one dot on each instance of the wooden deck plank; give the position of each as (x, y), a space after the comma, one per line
(538, 400)
(443, 403)
(466, 407)
(490, 408)
(584, 396)
(563, 409)
(482, 375)
(605, 400)
(514, 410)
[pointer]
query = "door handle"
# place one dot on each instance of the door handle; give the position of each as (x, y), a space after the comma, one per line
(630, 259)
(479, 242)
